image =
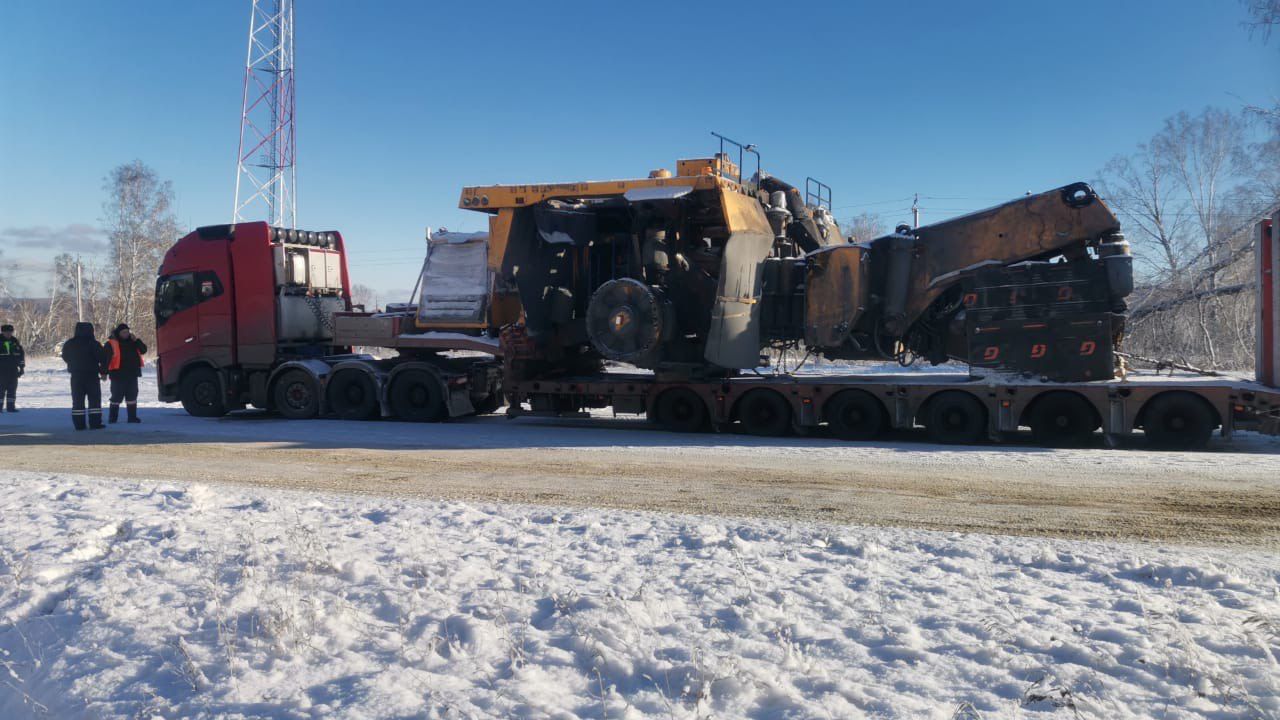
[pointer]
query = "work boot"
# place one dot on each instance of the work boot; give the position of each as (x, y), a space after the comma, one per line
(77, 419)
(133, 412)
(114, 414)
(95, 419)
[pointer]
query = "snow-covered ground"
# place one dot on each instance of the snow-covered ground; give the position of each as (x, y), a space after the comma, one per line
(141, 600)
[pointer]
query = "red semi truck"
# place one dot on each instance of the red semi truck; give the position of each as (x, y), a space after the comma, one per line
(255, 315)
(248, 314)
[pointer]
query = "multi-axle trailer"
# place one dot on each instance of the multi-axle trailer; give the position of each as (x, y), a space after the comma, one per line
(262, 316)
(653, 297)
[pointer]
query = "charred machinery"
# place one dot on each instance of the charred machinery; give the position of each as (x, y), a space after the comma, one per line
(694, 273)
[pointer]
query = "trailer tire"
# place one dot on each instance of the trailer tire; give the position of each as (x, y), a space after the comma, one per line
(296, 395)
(1063, 419)
(955, 417)
(353, 395)
(418, 396)
(855, 415)
(1178, 420)
(764, 412)
(680, 410)
(201, 393)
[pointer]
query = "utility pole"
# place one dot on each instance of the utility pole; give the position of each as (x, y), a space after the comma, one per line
(915, 211)
(79, 294)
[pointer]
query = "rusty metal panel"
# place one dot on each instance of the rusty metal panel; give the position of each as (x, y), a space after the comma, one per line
(733, 340)
(836, 292)
(1033, 227)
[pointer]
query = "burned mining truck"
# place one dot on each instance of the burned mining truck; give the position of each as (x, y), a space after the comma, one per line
(692, 276)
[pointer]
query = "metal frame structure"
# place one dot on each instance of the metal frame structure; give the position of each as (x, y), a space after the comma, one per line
(266, 167)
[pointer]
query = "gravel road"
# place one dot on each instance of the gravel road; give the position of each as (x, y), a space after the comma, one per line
(1222, 497)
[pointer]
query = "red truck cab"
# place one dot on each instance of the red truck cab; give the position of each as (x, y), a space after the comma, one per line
(234, 302)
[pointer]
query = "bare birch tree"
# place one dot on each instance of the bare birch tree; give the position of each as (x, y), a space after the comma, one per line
(140, 224)
(1188, 200)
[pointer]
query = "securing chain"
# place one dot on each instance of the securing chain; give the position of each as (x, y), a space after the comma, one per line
(318, 310)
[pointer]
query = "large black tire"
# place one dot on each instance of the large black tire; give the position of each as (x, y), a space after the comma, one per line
(955, 417)
(764, 412)
(296, 395)
(855, 415)
(680, 410)
(1063, 419)
(1178, 420)
(201, 393)
(418, 396)
(353, 395)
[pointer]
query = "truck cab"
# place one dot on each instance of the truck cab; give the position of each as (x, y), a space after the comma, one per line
(236, 303)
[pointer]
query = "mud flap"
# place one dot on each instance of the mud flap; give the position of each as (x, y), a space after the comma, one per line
(734, 338)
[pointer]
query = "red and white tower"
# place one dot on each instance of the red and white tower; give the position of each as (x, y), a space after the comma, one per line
(266, 169)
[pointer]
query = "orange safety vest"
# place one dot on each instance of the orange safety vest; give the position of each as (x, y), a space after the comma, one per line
(115, 356)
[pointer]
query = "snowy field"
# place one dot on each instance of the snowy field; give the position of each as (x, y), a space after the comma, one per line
(166, 598)
(124, 599)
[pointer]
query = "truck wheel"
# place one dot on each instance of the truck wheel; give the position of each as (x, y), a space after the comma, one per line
(201, 393)
(854, 415)
(955, 417)
(1063, 419)
(1176, 420)
(764, 412)
(353, 395)
(296, 395)
(418, 396)
(681, 410)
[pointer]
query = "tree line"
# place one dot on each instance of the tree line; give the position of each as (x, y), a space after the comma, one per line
(139, 222)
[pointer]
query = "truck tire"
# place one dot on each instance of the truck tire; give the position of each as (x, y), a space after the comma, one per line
(296, 395)
(418, 396)
(1178, 420)
(353, 395)
(855, 415)
(764, 412)
(201, 393)
(955, 417)
(1063, 419)
(680, 410)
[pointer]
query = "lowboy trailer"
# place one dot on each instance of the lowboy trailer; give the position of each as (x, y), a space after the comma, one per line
(255, 315)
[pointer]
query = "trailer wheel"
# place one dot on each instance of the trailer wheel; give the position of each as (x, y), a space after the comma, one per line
(955, 417)
(854, 415)
(201, 393)
(1178, 420)
(681, 410)
(296, 395)
(353, 395)
(764, 412)
(418, 396)
(1063, 419)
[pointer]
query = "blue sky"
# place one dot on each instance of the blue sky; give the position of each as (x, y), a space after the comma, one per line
(401, 104)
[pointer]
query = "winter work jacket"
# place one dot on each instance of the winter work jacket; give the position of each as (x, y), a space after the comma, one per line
(83, 354)
(124, 357)
(12, 356)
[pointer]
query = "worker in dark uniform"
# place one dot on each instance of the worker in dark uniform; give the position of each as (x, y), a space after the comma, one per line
(87, 363)
(13, 362)
(124, 364)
